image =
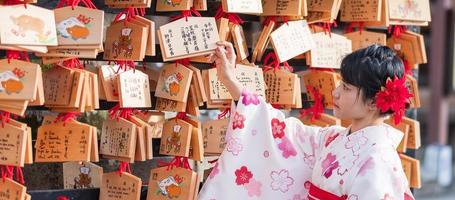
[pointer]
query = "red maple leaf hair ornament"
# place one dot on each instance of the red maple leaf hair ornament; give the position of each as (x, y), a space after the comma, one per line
(394, 97)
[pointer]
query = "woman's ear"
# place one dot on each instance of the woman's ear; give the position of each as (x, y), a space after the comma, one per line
(371, 104)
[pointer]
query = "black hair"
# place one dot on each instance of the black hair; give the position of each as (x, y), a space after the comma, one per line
(369, 68)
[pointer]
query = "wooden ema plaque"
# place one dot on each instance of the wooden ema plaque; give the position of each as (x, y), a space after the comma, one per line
(79, 25)
(124, 186)
(200, 5)
(183, 38)
(19, 80)
(239, 42)
(125, 41)
(262, 42)
(196, 151)
(173, 5)
(13, 143)
(176, 183)
(81, 175)
(411, 168)
(242, 6)
(404, 128)
(27, 26)
(358, 11)
(282, 7)
(11, 190)
(134, 89)
(163, 104)
(57, 82)
(176, 138)
(214, 136)
(325, 82)
(118, 138)
(280, 87)
(61, 143)
(329, 50)
(413, 87)
(108, 76)
(174, 82)
(128, 3)
(414, 141)
(364, 39)
(415, 10)
(291, 40)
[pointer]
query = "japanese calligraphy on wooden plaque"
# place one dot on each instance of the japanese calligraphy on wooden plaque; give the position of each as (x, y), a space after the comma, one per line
(178, 183)
(363, 39)
(214, 133)
(242, 6)
(11, 190)
(57, 82)
(81, 175)
(282, 7)
(108, 77)
(176, 138)
(118, 138)
(31, 25)
(280, 87)
(325, 82)
(329, 50)
(134, 89)
(413, 87)
(13, 142)
(174, 82)
(79, 25)
(124, 186)
(194, 36)
(292, 39)
(355, 11)
(173, 5)
(58, 143)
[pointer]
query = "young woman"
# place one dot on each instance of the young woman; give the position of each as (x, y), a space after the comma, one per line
(268, 156)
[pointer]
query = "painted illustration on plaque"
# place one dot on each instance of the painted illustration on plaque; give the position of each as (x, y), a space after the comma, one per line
(172, 2)
(172, 84)
(123, 44)
(173, 142)
(75, 27)
(26, 26)
(83, 180)
(11, 81)
(170, 186)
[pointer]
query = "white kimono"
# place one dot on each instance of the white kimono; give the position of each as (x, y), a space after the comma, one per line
(268, 156)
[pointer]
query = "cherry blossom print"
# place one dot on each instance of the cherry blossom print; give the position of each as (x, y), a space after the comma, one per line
(243, 176)
(353, 197)
(234, 146)
(250, 98)
(287, 148)
(355, 142)
(278, 128)
(281, 180)
(238, 121)
(214, 171)
(254, 188)
(329, 164)
(309, 159)
(347, 165)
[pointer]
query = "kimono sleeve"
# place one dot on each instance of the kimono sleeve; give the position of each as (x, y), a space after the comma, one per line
(380, 177)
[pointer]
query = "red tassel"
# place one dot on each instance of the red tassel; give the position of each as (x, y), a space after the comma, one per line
(187, 13)
(62, 197)
(226, 112)
(232, 17)
(66, 117)
(124, 167)
(15, 2)
(317, 108)
(4, 117)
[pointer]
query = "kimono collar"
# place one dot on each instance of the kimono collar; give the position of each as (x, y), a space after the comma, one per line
(381, 134)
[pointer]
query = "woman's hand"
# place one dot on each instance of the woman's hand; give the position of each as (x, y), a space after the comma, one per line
(225, 58)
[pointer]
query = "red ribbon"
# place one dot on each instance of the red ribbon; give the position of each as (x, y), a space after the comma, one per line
(232, 17)
(226, 112)
(74, 3)
(397, 30)
(66, 117)
(4, 117)
(271, 62)
(352, 24)
(62, 197)
(178, 161)
(7, 172)
(184, 61)
(73, 63)
(327, 27)
(124, 167)
(15, 2)
(20, 175)
(116, 112)
(125, 65)
(270, 19)
(317, 108)
(181, 115)
(17, 55)
(186, 13)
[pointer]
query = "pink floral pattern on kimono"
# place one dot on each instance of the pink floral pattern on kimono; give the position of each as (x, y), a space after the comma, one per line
(250, 98)
(277, 128)
(234, 146)
(281, 180)
(243, 176)
(254, 188)
(328, 165)
(238, 121)
(355, 142)
(287, 148)
(214, 171)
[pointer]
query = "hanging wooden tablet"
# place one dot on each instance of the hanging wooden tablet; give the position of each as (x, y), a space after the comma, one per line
(148, 136)
(239, 42)
(418, 44)
(29, 147)
(280, 87)
(31, 25)
(416, 10)
(404, 128)
(282, 7)
(242, 6)
(214, 133)
(57, 82)
(13, 143)
(199, 37)
(150, 49)
(125, 41)
(81, 175)
(325, 82)
(58, 143)
(118, 138)
(358, 11)
(224, 29)
(329, 50)
(198, 84)
(323, 11)
(79, 25)
(363, 39)
(173, 5)
(192, 107)
(108, 76)
(124, 186)
(407, 50)
(128, 3)
(19, 80)
(196, 145)
(12, 190)
(413, 87)
(140, 152)
(251, 78)
(411, 167)
(39, 99)
(262, 42)
(94, 155)
(169, 105)
(176, 183)
(174, 82)
(292, 39)
(213, 103)
(414, 141)
(134, 89)
(176, 138)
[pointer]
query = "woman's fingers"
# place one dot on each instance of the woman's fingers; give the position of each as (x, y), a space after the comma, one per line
(221, 54)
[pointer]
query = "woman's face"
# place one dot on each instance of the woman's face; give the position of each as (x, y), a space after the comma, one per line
(348, 102)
